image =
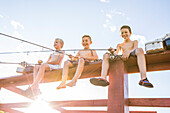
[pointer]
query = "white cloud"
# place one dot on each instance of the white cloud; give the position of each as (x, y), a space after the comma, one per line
(141, 40)
(1, 16)
(115, 12)
(105, 1)
(112, 28)
(118, 12)
(109, 16)
(16, 24)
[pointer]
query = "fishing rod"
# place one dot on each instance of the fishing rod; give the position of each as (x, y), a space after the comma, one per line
(32, 43)
(22, 63)
(22, 52)
(25, 41)
(58, 50)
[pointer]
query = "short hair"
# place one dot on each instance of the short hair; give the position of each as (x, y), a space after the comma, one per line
(126, 26)
(87, 36)
(61, 42)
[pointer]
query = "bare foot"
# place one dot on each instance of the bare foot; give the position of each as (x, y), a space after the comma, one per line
(71, 84)
(62, 85)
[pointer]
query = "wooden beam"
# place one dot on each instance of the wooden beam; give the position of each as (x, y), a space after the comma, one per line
(149, 102)
(83, 111)
(142, 102)
(80, 103)
(155, 62)
(9, 110)
(118, 88)
(17, 90)
(150, 67)
(91, 111)
(143, 112)
(15, 105)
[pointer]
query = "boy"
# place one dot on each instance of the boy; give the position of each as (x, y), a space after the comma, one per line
(129, 48)
(84, 56)
(53, 62)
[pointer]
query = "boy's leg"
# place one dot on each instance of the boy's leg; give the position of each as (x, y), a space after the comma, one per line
(105, 65)
(141, 62)
(142, 68)
(40, 75)
(36, 69)
(67, 64)
(78, 73)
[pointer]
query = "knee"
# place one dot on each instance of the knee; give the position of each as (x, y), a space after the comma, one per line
(43, 65)
(106, 56)
(36, 67)
(81, 60)
(139, 51)
(66, 63)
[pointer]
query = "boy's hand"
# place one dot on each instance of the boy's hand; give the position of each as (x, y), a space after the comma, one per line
(71, 57)
(125, 56)
(111, 50)
(40, 62)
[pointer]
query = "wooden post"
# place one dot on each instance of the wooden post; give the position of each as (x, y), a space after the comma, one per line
(118, 88)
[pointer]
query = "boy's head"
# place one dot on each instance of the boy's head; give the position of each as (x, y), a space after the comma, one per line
(125, 31)
(86, 41)
(58, 43)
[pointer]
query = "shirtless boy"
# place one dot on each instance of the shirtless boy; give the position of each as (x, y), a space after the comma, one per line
(53, 62)
(83, 57)
(129, 48)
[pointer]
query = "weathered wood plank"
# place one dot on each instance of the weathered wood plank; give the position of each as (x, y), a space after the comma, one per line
(118, 88)
(90, 111)
(149, 102)
(9, 110)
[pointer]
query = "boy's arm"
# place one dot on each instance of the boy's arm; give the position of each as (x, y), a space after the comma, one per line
(49, 59)
(58, 59)
(127, 53)
(94, 57)
(118, 48)
(135, 46)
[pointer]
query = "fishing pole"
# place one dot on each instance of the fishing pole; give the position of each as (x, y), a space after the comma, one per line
(59, 51)
(50, 51)
(32, 43)
(22, 63)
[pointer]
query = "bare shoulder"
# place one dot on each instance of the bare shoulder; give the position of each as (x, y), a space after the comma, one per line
(135, 41)
(119, 45)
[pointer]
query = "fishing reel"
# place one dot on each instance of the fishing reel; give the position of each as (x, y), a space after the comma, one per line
(73, 57)
(26, 67)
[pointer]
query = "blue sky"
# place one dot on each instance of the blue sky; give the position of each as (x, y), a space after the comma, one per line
(42, 21)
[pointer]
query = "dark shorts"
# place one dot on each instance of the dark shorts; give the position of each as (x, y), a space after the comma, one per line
(133, 53)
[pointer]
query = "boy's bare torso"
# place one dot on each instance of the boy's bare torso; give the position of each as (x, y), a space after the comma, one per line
(126, 46)
(85, 54)
(55, 57)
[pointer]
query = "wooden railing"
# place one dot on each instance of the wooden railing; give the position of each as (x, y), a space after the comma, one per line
(117, 102)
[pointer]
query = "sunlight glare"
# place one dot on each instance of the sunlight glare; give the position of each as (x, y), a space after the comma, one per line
(40, 106)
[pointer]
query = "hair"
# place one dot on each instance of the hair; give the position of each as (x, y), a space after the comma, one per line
(61, 42)
(126, 26)
(87, 36)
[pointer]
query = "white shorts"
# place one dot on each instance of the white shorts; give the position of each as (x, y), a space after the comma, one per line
(54, 66)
